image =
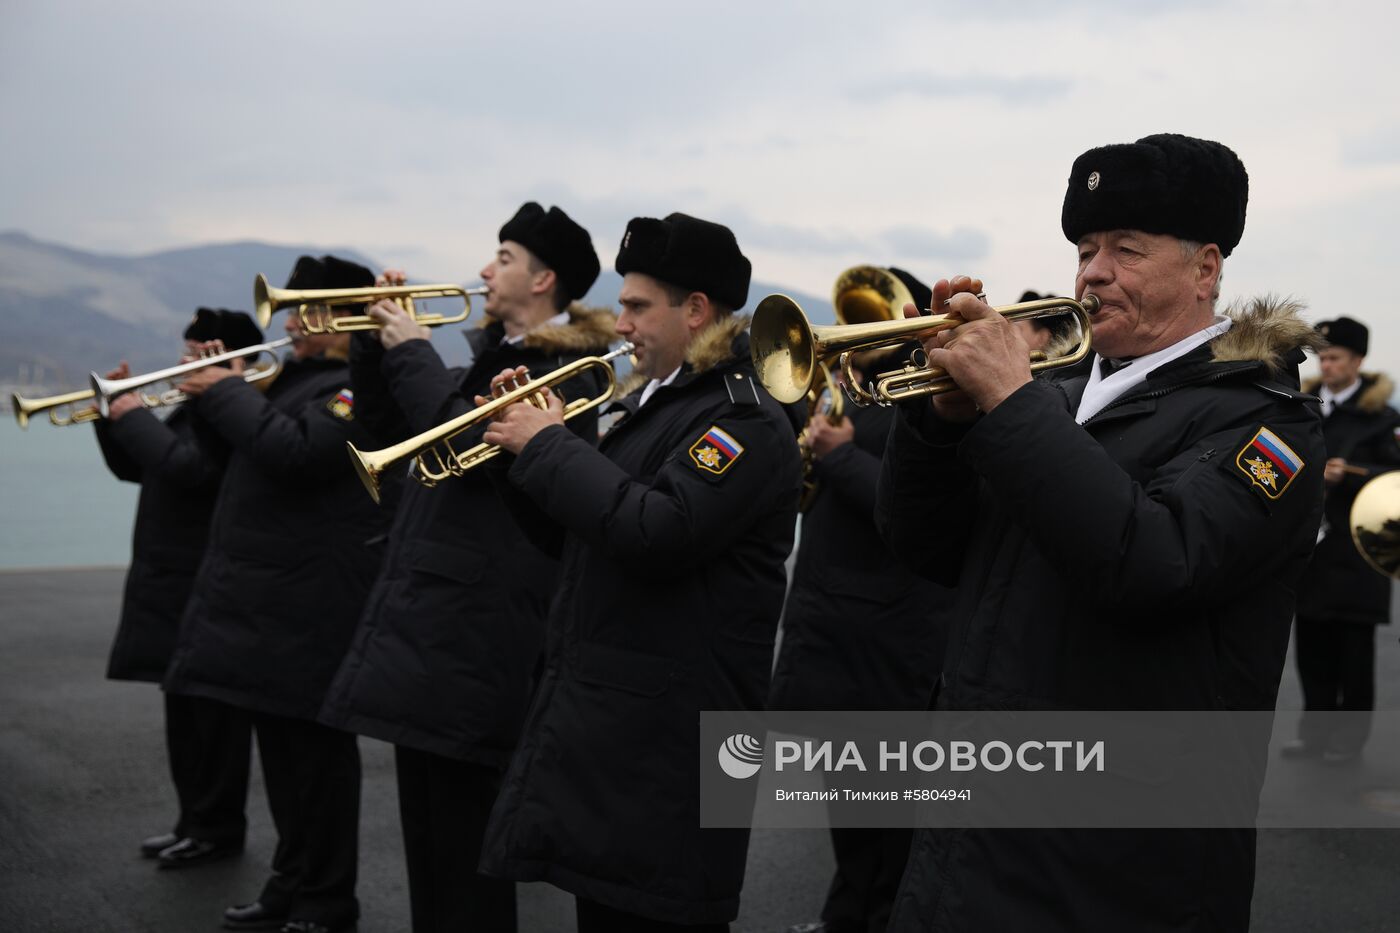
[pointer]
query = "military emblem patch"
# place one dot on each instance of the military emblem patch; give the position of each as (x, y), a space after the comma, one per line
(1269, 463)
(343, 405)
(716, 451)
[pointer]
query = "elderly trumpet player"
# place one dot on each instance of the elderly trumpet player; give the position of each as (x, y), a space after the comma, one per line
(1124, 538)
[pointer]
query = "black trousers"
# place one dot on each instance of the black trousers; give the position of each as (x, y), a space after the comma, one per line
(209, 744)
(595, 918)
(1337, 668)
(869, 866)
(443, 807)
(312, 775)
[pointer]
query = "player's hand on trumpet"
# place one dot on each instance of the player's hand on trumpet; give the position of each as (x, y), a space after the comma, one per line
(201, 380)
(514, 426)
(986, 355)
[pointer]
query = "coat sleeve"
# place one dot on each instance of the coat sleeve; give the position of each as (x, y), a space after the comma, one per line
(375, 407)
(118, 460)
(683, 513)
(299, 447)
(926, 501)
(1198, 531)
(424, 389)
(1380, 454)
(853, 474)
(160, 451)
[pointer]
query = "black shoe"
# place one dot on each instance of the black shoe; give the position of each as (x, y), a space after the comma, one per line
(253, 916)
(190, 852)
(1298, 749)
(151, 845)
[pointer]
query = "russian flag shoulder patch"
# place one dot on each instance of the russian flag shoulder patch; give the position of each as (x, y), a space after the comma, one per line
(343, 405)
(715, 451)
(1269, 463)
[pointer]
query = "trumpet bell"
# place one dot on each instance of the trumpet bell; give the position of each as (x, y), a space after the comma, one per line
(784, 348)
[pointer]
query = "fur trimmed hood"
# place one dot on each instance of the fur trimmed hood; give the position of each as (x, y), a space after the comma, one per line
(711, 347)
(1269, 330)
(1376, 390)
(589, 330)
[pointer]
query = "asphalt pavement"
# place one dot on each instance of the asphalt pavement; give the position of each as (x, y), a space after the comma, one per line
(83, 779)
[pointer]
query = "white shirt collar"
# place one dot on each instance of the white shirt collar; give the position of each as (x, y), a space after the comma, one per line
(1331, 400)
(1102, 391)
(655, 384)
(558, 320)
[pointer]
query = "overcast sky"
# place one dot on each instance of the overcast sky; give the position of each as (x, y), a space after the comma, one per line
(937, 136)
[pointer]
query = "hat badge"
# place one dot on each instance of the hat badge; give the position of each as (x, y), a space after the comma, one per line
(1093, 180)
(626, 238)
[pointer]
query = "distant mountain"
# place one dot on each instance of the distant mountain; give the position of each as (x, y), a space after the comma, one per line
(65, 311)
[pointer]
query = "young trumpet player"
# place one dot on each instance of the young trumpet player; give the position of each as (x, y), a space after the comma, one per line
(673, 536)
(443, 661)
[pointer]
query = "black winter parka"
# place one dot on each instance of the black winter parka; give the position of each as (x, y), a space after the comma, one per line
(1134, 563)
(860, 630)
(178, 463)
(291, 554)
(671, 584)
(445, 655)
(1339, 585)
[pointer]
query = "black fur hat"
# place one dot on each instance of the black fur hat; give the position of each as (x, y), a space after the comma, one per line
(690, 253)
(235, 328)
(328, 272)
(1345, 332)
(1189, 188)
(559, 242)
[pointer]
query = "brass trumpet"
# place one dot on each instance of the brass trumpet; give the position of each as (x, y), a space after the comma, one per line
(447, 462)
(267, 300)
(787, 348)
(107, 389)
(24, 408)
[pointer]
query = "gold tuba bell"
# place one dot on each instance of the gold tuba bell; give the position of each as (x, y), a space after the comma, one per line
(1375, 523)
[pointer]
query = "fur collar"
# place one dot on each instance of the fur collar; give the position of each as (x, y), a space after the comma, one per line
(1267, 330)
(1062, 345)
(712, 347)
(1374, 394)
(589, 330)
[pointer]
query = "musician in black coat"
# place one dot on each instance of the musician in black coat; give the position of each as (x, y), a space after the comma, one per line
(290, 561)
(1342, 599)
(444, 659)
(673, 535)
(178, 461)
(860, 632)
(1122, 538)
